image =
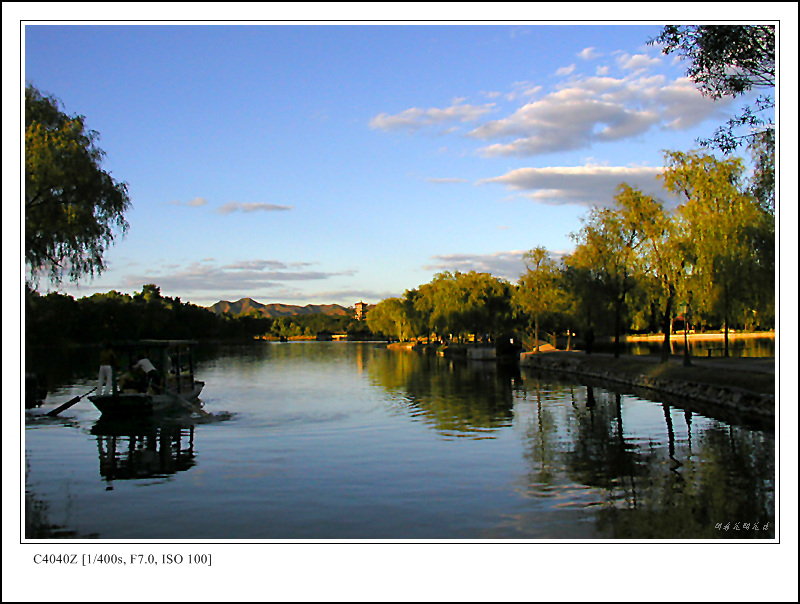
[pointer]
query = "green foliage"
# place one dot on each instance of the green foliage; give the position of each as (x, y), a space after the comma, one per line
(724, 59)
(661, 258)
(728, 234)
(309, 326)
(461, 304)
(636, 265)
(541, 293)
(390, 317)
(609, 252)
(73, 208)
(762, 183)
(451, 305)
(728, 60)
(58, 318)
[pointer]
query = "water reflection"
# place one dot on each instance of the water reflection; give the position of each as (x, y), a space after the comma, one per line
(38, 520)
(458, 398)
(143, 450)
(352, 441)
(688, 477)
(38, 524)
(737, 347)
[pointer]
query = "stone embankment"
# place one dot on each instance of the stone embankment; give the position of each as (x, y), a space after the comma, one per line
(743, 386)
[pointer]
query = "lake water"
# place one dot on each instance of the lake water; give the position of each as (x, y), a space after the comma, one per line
(350, 441)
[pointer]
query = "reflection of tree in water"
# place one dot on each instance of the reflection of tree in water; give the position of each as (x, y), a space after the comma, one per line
(668, 485)
(459, 398)
(543, 451)
(131, 452)
(726, 480)
(600, 455)
(38, 524)
(580, 444)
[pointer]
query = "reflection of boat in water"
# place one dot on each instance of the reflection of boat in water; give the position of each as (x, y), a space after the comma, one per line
(171, 388)
(143, 448)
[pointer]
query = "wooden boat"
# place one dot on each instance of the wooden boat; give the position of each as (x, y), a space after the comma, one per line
(171, 389)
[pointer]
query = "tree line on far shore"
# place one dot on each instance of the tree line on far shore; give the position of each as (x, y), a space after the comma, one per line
(57, 318)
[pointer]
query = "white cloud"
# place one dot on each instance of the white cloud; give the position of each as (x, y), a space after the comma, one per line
(192, 203)
(415, 118)
(522, 89)
(588, 185)
(596, 109)
(589, 53)
(369, 296)
(685, 107)
(572, 118)
(446, 180)
(508, 265)
(260, 265)
(563, 71)
(235, 206)
(577, 114)
(249, 275)
(207, 281)
(637, 62)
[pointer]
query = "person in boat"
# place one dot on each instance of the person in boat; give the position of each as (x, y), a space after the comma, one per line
(131, 381)
(146, 367)
(105, 377)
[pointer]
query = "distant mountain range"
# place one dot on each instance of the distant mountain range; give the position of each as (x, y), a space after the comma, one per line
(250, 306)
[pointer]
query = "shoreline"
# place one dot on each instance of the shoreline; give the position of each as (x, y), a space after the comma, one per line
(715, 336)
(744, 387)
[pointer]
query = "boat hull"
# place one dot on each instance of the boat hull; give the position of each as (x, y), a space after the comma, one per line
(138, 405)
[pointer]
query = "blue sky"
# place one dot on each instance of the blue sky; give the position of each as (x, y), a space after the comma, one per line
(333, 163)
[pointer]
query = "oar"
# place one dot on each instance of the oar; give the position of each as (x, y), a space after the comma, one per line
(69, 403)
(191, 406)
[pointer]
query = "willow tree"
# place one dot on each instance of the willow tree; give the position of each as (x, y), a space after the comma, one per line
(723, 224)
(459, 304)
(390, 317)
(73, 208)
(608, 250)
(487, 307)
(436, 301)
(662, 253)
(539, 292)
